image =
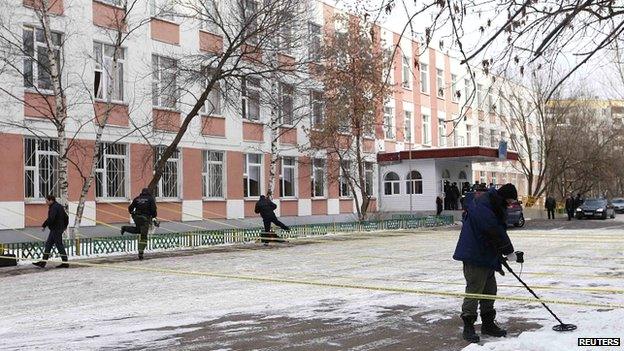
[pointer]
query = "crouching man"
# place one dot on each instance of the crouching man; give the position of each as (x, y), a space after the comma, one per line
(482, 242)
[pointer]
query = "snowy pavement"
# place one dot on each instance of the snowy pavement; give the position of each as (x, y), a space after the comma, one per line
(208, 300)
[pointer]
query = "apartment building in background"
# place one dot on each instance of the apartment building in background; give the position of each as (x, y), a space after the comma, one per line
(222, 164)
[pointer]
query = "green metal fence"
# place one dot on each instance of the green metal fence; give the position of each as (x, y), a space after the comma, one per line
(203, 238)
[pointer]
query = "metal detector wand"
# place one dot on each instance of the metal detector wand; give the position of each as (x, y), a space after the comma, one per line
(562, 326)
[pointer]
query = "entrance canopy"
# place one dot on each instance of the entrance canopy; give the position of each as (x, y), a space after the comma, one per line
(472, 154)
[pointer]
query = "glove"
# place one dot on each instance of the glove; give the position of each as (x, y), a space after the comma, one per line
(517, 256)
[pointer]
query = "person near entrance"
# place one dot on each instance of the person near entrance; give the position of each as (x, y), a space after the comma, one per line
(143, 210)
(570, 206)
(550, 205)
(266, 208)
(439, 203)
(483, 241)
(57, 222)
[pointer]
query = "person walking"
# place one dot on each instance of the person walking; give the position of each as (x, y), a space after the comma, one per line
(57, 222)
(438, 205)
(456, 196)
(143, 210)
(266, 208)
(570, 207)
(550, 205)
(483, 241)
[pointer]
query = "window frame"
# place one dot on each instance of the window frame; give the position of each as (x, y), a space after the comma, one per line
(407, 121)
(395, 184)
(103, 171)
(406, 74)
(159, 92)
(426, 133)
(424, 78)
(176, 158)
(32, 60)
(442, 142)
(247, 98)
(389, 123)
(36, 169)
(100, 64)
(454, 88)
(207, 165)
(293, 167)
(323, 169)
(440, 82)
(315, 41)
(287, 94)
(247, 165)
(208, 104)
(316, 103)
(369, 185)
(413, 184)
(344, 190)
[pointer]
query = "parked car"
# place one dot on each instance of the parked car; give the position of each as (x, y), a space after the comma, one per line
(591, 208)
(618, 205)
(515, 216)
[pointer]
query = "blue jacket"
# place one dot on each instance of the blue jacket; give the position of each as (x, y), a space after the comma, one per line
(483, 238)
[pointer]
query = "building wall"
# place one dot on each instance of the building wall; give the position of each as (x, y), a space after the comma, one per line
(90, 21)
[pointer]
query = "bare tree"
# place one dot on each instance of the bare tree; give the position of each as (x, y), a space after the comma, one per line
(355, 90)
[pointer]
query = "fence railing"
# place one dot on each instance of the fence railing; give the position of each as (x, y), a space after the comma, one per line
(204, 238)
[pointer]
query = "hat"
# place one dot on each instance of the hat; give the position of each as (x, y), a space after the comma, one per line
(508, 191)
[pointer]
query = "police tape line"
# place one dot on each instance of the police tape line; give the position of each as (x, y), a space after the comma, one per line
(341, 285)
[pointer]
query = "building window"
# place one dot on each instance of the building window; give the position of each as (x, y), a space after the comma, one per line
(493, 141)
(212, 174)
(414, 183)
(318, 177)
(345, 173)
(250, 21)
(467, 89)
(314, 42)
(285, 38)
(407, 72)
(482, 177)
(454, 90)
(426, 123)
(481, 136)
(104, 74)
(462, 175)
(424, 78)
(251, 98)
(392, 184)
(212, 105)
(368, 177)
(440, 82)
(480, 96)
(162, 9)
(494, 178)
(110, 172)
(40, 168)
(468, 135)
(252, 175)
(389, 122)
(286, 102)
(210, 16)
(316, 107)
(441, 132)
(388, 71)
(168, 183)
(408, 126)
(491, 108)
(37, 68)
(164, 82)
(287, 181)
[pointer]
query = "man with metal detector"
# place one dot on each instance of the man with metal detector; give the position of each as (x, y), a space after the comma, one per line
(265, 207)
(482, 242)
(143, 211)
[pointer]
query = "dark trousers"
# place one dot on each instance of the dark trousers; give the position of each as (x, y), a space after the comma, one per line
(267, 223)
(479, 280)
(551, 213)
(570, 214)
(438, 210)
(55, 238)
(141, 227)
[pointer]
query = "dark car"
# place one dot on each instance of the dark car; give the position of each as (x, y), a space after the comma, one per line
(618, 205)
(515, 216)
(595, 208)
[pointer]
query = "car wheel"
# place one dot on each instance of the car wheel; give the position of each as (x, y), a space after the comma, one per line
(520, 222)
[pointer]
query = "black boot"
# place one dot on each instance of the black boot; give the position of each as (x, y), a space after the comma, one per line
(488, 327)
(469, 333)
(40, 264)
(63, 265)
(140, 256)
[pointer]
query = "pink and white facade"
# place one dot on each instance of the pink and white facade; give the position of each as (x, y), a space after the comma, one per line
(222, 164)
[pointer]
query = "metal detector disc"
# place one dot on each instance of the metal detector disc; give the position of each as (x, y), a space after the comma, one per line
(564, 327)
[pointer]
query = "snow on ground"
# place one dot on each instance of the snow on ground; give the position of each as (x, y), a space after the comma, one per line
(98, 307)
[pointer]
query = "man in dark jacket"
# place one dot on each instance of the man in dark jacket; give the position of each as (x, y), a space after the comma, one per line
(265, 207)
(456, 194)
(143, 210)
(550, 205)
(482, 242)
(438, 205)
(578, 201)
(57, 222)
(570, 206)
